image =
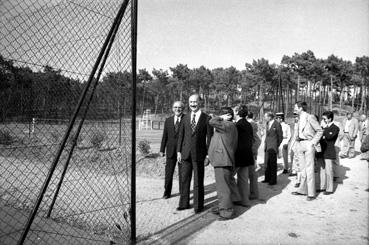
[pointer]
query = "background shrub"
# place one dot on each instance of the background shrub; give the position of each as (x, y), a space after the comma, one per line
(97, 139)
(144, 147)
(6, 138)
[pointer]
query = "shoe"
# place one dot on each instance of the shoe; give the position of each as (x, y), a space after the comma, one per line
(320, 190)
(272, 183)
(264, 181)
(199, 210)
(181, 208)
(285, 171)
(297, 193)
(215, 210)
(310, 198)
(328, 193)
(292, 174)
(166, 196)
(252, 198)
(297, 185)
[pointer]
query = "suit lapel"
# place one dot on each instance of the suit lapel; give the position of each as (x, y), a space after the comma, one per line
(171, 125)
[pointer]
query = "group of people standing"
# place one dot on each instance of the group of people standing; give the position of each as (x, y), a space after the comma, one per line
(230, 142)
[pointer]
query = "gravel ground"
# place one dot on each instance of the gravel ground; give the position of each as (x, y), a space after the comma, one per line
(278, 217)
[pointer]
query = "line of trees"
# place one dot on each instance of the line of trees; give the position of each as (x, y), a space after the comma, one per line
(50, 94)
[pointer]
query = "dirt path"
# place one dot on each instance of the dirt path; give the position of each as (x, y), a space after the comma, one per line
(278, 218)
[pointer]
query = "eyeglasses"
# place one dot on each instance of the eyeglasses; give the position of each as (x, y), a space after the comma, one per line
(177, 107)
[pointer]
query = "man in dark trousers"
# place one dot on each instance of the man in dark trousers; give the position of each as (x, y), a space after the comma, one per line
(192, 150)
(169, 146)
(273, 138)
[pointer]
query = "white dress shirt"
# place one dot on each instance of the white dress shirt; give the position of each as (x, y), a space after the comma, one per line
(197, 116)
(175, 119)
(286, 129)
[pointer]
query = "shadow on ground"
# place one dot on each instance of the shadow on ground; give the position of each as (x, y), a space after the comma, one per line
(178, 232)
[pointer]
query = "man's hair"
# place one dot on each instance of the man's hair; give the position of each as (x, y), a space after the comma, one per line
(242, 111)
(302, 104)
(178, 101)
(226, 110)
(250, 115)
(329, 115)
(198, 95)
(270, 114)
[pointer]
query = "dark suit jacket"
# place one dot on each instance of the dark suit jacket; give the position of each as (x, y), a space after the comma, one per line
(328, 141)
(170, 138)
(244, 154)
(194, 145)
(274, 137)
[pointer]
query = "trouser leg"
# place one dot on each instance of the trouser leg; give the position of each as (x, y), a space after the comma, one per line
(345, 145)
(243, 184)
(351, 152)
(310, 174)
(198, 185)
(169, 171)
(222, 182)
(186, 173)
(329, 174)
(322, 169)
(285, 156)
(267, 168)
(302, 163)
(254, 190)
(272, 165)
(235, 194)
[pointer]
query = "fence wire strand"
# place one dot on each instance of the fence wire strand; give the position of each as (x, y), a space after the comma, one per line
(47, 51)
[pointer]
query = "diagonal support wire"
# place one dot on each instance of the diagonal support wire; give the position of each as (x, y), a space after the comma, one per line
(106, 55)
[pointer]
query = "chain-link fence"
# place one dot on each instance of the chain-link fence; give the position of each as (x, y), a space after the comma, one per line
(66, 92)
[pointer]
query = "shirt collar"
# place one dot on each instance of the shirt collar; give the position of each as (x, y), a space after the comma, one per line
(196, 113)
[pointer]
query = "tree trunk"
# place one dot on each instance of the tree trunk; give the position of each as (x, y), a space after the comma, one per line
(298, 88)
(353, 98)
(341, 95)
(362, 95)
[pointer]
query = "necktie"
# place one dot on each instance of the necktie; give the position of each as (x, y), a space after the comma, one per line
(193, 123)
(267, 126)
(176, 125)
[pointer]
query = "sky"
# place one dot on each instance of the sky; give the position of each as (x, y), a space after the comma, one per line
(223, 33)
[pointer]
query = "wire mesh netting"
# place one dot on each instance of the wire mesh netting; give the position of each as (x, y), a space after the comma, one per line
(47, 52)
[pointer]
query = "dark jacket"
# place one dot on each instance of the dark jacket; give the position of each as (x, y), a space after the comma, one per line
(170, 138)
(365, 144)
(194, 145)
(223, 143)
(274, 137)
(330, 135)
(244, 154)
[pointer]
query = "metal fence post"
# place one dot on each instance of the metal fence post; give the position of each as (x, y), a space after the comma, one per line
(134, 77)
